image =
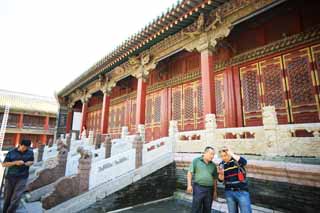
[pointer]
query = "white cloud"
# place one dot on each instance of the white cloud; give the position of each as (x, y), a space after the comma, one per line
(45, 44)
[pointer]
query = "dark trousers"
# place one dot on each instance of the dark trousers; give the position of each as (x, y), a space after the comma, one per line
(202, 199)
(13, 190)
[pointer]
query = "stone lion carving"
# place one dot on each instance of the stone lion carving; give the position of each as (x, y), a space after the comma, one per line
(84, 154)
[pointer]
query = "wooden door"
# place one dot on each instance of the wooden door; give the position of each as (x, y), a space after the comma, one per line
(273, 88)
(251, 95)
(153, 116)
(301, 86)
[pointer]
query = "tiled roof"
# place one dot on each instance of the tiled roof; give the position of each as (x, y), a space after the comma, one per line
(28, 102)
(168, 23)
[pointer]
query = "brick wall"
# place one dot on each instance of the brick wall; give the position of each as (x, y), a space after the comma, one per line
(159, 184)
(271, 194)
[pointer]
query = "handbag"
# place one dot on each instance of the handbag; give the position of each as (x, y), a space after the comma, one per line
(242, 173)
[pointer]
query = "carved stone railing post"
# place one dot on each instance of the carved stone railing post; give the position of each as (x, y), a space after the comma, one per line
(62, 160)
(84, 169)
(138, 146)
(68, 141)
(97, 142)
(69, 187)
(141, 132)
(210, 126)
(50, 175)
(40, 151)
(124, 132)
(91, 137)
(108, 146)
(173, 130)
(270, 126)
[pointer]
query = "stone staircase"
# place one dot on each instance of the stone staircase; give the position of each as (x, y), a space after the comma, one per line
(95, 177)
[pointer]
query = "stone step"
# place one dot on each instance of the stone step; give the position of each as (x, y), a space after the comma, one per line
(221, 204)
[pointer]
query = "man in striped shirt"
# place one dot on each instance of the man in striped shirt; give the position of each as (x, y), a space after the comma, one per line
(231, 172)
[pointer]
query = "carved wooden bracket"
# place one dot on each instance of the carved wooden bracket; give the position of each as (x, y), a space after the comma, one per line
(141, 66)
(208, 39)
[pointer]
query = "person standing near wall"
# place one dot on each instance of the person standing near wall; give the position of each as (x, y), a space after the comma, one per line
(233, 174)
(204, 187)
(18, 162)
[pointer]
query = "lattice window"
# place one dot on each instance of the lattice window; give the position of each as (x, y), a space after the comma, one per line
(133, 114)
(98, 120)
(52, 122)
(199, 101)
(157, 109)
(33, 121)
(300, 81)
(273, 89)
(123, 112)
(8, 141)
(219, 96)
(188, 103)
(12, 120)
(176, 105)
(149, 111)
(117, 123)
(112, 118)
(250, 91)
(317, 59)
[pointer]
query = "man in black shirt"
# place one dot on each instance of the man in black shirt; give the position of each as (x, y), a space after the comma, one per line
(18, 162)
(232, 173)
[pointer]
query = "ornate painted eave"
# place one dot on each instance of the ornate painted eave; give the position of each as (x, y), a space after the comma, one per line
(172, 21)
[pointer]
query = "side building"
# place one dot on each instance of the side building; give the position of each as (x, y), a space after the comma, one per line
(30, 117)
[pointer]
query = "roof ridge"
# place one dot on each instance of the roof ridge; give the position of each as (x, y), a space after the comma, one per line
(21, 94)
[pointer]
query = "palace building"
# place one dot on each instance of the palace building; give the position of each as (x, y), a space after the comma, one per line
(30, 117)
(224, 57)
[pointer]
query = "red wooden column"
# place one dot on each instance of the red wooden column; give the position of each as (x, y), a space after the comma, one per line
(69, 120)
(105, 113)
(84, 114)
(46, 123)
(17, 141)
(43, 139)
(207, 82)
(230, 98)
(20, 121)
(141, 101)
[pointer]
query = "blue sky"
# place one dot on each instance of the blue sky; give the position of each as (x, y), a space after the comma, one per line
(45, 44)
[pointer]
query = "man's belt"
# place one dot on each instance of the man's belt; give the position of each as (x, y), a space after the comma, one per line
(237, 189)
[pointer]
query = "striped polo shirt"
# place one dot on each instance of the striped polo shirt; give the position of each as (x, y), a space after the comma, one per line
(231, 174)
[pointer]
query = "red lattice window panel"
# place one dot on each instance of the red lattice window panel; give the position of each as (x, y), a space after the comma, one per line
(219, 95)
(149, 110)
(188, 103)
(199, 101)
(176, 105)
(250, 88)
(157, 109)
